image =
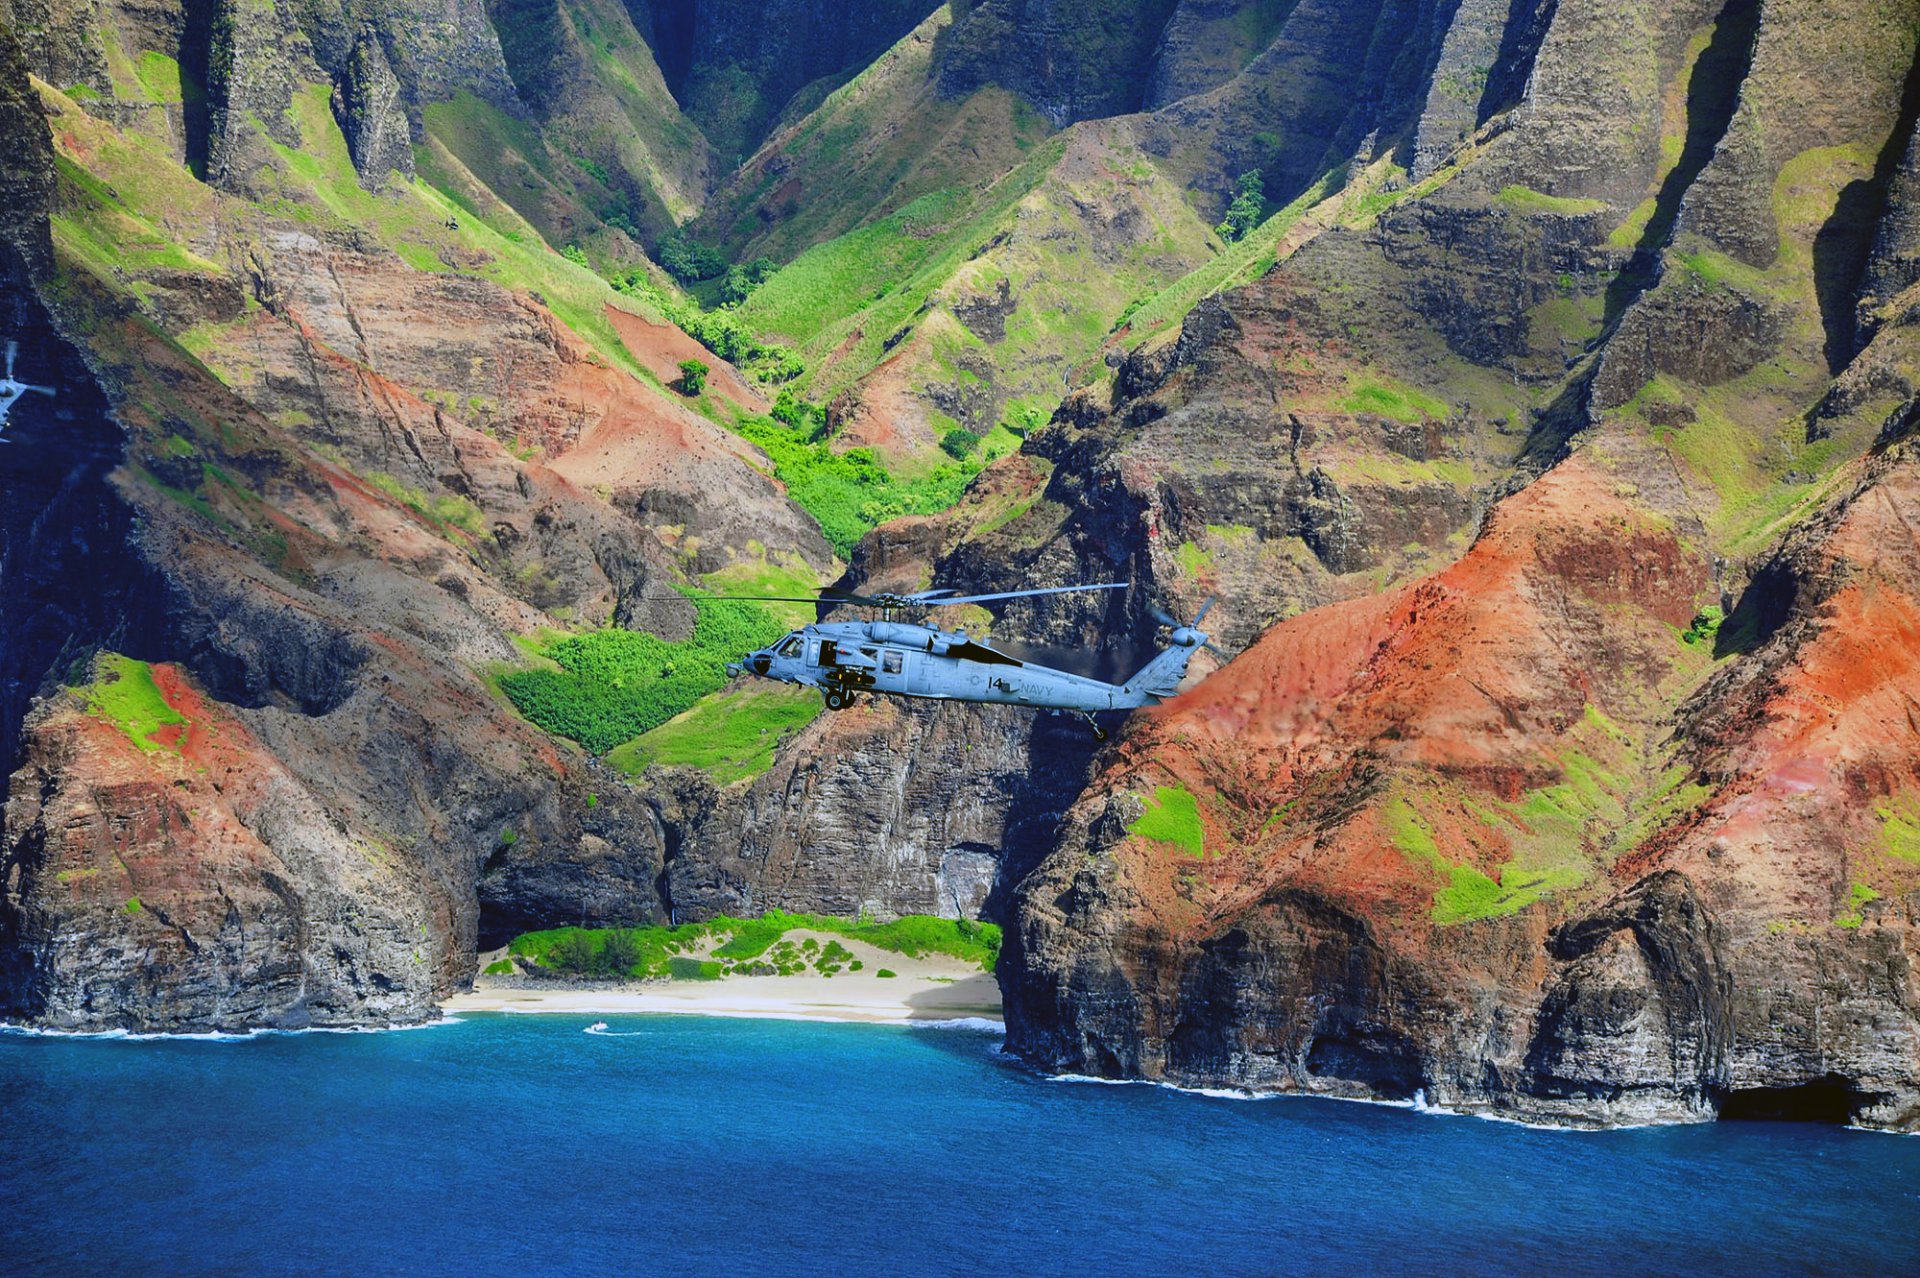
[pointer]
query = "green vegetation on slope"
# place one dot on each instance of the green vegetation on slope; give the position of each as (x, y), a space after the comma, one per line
(850, 493)
(730, 735)
(1900, 830)
(1172, 816)
(1858, 898)
(1470, 894)
(1527, 200)
(653, 951)
(1384, 397)
(126, 696)
(613, 685)
(1243, 261)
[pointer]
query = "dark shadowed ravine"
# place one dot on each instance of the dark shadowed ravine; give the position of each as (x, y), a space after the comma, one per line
(683, 1145)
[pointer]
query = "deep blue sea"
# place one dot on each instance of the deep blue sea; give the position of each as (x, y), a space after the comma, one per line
(505, 1145)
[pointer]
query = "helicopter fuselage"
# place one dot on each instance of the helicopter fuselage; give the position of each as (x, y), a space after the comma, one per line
(904, 659)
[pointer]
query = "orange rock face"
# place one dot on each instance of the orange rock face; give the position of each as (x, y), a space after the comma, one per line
(1448, 839)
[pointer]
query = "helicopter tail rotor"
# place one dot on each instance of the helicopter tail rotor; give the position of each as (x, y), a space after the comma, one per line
(1189, 628)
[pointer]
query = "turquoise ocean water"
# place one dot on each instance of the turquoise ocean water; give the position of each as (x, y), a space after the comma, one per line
(505, 1145)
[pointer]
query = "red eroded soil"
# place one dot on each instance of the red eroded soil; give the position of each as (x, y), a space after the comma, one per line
(661, 347)
(1562, 601)
(1829, 732)
(1464, 682)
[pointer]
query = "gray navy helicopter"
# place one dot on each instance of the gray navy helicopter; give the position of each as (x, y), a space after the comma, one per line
(911, 659)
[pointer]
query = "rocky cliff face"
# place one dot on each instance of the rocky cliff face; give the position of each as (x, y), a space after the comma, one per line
(1438, 846)
(1516, 898)
(264, 781)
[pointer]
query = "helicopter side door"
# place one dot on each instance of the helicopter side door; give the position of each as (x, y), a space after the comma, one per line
(919, 673)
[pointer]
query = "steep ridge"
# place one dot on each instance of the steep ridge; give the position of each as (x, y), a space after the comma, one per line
(264, 777)
(1000, 258)
(1437, 843)
(1359, 860)
(737, 67)
(597, 151)
(1317, 433)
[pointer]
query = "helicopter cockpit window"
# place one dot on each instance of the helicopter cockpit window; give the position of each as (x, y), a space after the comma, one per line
(791, 648)
(891, 663)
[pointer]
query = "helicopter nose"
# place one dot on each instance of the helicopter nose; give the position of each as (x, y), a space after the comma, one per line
(762, 663)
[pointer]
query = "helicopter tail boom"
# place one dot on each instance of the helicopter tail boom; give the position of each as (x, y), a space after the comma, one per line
(1160, 678)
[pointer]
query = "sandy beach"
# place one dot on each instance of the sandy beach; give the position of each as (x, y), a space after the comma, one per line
(932, 988)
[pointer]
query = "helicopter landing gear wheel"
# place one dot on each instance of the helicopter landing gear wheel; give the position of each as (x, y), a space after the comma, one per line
(838, 698)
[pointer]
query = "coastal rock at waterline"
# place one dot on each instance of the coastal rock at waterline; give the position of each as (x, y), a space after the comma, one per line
(1367, 905)
(199, 886)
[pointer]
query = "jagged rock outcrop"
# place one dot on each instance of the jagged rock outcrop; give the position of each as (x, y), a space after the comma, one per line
(1073, 59)
(1291, 945)
(371, 113)
(1634, 986)
(315, 628)
(735, 66)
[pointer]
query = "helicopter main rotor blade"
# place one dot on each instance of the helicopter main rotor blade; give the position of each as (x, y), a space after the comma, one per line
(1020, 594)
(13, 349)
(1164, 617)
(808, 599)
(1200, 616)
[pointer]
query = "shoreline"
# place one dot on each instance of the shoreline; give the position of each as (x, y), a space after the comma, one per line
(924, 992)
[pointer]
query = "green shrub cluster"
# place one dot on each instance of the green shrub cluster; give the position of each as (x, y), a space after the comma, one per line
(809, 421)
(1248, 209)
(687, 259)
(742, 280)
(850, 493)
(911, 935)
(613, 685)
(754, 946)
(959, 443)
(693, 376)
(722, 332)
(1705, 627)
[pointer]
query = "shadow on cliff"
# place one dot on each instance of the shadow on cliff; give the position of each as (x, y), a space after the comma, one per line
(1845, 241)
(1713, 93)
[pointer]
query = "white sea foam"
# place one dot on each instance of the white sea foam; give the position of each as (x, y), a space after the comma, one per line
(213, 1036)
(972, 1024)
(1225, 1093)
